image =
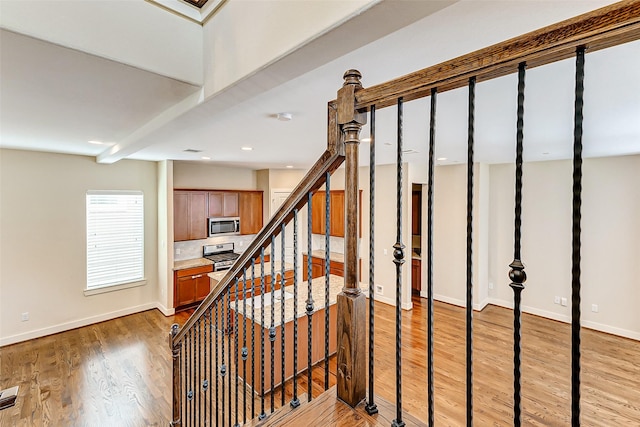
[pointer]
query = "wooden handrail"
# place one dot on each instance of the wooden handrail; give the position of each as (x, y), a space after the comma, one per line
(330, 160)
(602, 28)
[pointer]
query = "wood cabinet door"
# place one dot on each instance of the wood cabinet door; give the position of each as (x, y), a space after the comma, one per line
(336, 268)
(203, 286)
(416, 279)
(185, 291)
(337, 213)
(230, 204)
(197, 215)
(250, 212)
(318, 213)
(216, 204)
(317, 267)
(416, 207)
(180, 216)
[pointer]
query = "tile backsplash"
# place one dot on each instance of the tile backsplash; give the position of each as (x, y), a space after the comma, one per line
(336, 244)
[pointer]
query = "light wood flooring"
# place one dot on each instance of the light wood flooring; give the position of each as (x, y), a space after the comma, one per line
(117, 373)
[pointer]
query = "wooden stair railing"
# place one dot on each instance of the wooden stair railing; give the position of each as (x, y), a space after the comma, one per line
(600, 29)
(206, 350)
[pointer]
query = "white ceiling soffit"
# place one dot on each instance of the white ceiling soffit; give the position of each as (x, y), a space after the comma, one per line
(612, 99)
(57, 99)
(188, 11)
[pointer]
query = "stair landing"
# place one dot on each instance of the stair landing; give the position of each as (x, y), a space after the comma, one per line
(326, 410)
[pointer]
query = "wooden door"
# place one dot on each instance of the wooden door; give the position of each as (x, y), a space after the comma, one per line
(230, 204)
(318, 213)
(416, 211)
(185, 291)
(198, 215)
(216, 204)
(250, 212)
(202, 285)
(337, 213)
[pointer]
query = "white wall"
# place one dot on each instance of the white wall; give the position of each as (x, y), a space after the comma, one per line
(43, 245)
(165, 236)
(136, 33)
(196, 175)
(610, 236)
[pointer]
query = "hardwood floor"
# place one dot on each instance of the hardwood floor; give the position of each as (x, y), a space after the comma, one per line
(117, 373)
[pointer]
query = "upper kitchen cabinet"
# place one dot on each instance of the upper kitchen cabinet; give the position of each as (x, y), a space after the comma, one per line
(250, 212)
(223, 204)
(189, 215)
(336, 213)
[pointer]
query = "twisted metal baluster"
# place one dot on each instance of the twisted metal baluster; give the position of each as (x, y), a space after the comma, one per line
(295, 402)
(235, 347)
(262, 415)
(223, 366)
(398, 255)
(371, 407)
(189, 390)
(272, 329)
(253, 337)
(198, 366)
(470, 142)
(245, 351)
(282, 346)
(309, 305)
(212, 376)
(192, 372)
(217, 314)
(575, 244)
(517, 274)
(432, 151)
(205, 381)
(228, 336)
(327, 261)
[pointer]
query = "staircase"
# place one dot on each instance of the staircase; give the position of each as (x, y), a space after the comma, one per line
(264, 350)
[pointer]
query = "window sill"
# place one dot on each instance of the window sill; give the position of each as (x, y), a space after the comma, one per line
(111, 288)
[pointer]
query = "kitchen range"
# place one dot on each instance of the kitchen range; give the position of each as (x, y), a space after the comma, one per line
(223, 255)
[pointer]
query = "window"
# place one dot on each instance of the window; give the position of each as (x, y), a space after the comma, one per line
(115, 239)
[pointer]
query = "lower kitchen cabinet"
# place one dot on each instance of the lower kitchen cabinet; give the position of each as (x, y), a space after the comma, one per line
(191, 285)
(416, 273)
(318, 266)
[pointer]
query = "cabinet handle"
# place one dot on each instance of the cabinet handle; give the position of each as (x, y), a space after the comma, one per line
(196, 277)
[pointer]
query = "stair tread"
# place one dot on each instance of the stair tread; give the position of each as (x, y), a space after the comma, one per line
(328, 410)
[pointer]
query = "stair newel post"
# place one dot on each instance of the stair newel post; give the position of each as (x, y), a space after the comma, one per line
(351, 302)
(175, 354)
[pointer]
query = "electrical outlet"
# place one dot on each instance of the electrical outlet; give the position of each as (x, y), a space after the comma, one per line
(178, 250)
(556, 300)
(594, 308)
(240, 243)
(490, 285)
(384, 251)
(25, 316)
(563, 301)
(378, 289)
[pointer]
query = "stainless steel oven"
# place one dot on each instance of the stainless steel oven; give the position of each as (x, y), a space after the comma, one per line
(224, 226)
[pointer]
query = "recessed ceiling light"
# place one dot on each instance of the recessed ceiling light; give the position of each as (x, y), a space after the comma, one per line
(192, 150)
(442, 159)
(284, 117)
(246, 148)
(205, 158)
(289, 166)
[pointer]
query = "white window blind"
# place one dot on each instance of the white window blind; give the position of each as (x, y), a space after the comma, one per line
(115, 238)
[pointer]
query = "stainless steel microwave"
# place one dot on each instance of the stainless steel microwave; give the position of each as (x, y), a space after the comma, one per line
(222, 226)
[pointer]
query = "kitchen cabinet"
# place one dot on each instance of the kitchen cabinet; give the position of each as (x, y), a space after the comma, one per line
(191, 285)
(318, 267)
(336, 213)
(416, 275)
(416, 212)
(189, 215)
(250, 203)
(223, 204)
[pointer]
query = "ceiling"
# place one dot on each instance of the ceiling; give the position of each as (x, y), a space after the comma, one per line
(56, 99)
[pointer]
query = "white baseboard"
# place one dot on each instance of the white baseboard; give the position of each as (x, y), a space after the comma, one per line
(61, 327)
(391, 301)
(164, 310)
(634, 335)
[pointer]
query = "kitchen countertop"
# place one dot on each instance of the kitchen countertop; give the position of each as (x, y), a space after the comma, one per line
(333, 256)
(336, 283)
(190, 263)
(218, 275)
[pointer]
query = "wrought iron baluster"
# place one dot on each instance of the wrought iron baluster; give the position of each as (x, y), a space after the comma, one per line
(212, 375)
(327, 261)
(371, 407)
(253, 338)
(223, 366)
(228, 337)
(216, 305)
(235, 348)
(398, 255)
(176, 359)
(192, 372)
(185, 355)
(517, 273)
(263, 290)
(295, 402)
(309, 306)
(205, 381)
(470, 142)
(245, 352)
(576, 236)
(197, 389)
(272, 328)
(430, 185)
(282, 334)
